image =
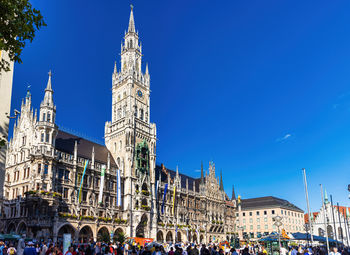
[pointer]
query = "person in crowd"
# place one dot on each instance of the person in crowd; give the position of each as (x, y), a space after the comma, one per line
(171, 252)
(29, 249)
(334, 252)
(21, 245)
(11, 250)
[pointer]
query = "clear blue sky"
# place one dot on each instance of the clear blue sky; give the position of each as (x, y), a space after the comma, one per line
(262, 88)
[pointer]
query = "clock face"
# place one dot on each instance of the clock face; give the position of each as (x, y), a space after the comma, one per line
(139, 93)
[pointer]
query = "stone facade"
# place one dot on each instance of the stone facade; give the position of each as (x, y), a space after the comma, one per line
(45, 168)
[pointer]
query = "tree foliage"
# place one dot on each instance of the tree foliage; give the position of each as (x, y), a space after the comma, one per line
(120, 237)
(18, 24)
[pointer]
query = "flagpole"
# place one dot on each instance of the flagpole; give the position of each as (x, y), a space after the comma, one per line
(308, 207)
(346, 231)
(347, 222)
(342, 235)
(324, 218)
(335, 229)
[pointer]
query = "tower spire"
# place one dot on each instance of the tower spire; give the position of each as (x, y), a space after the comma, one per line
(48, 99)
(131, 27)
(221, 182)
(202, 174)
(233, 193)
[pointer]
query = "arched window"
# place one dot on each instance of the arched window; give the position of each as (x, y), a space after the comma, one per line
(48, 117)
(120, 145)
(131, 44)
(135, 111)
(44, 117)
(115, 147)
(141, 114)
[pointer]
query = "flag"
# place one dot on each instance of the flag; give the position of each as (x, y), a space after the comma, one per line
(119, 195)
(187, 233)
(174, 200)
(102, 181)
(165, 190)
(81, 182)
(156, 192)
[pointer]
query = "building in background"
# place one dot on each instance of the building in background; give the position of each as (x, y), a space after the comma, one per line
(255, 216)
(5, 107)
(337, 222)
(45, 173)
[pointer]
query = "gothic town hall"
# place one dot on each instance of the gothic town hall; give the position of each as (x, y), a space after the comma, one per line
(57, 182)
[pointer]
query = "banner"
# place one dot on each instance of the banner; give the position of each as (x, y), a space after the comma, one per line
(67, 241)
(81, 182)
(156, 193)
(174, 200)
(102, 181)
(119, 195)
(165, 190)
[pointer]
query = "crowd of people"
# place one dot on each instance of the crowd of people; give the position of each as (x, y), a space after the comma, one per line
(98, 248)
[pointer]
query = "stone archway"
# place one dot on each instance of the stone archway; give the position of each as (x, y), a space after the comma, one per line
(11, 228)
(66, 229)
(330, 231)
(160, 237)
(103, 235)
(194, 238)
(178, 238)
(86, 234)
(169, 237)
(140, 229)
(22, 228)
(119, 235)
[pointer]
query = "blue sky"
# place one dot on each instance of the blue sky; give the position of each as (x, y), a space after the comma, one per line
(262, 88)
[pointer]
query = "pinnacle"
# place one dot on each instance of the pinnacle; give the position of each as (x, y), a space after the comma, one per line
(131, 27)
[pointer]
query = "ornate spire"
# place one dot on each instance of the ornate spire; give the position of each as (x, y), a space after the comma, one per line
(233, 193)
(221, 182)
(146, 72)
(48, 86)
(326, 201)
(48, 100)
(202, 174)
(115, 67)
(131, 27)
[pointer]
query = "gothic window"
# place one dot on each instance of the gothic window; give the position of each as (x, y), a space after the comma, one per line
(60, 173)
(141, 114)
(42, 137)
(47, 137)
(48, 117)
(119, 113)
(23, 140)
(46, 168)
(44, 117)
(135, 111)
(124, 110)
(120, 145)
(131, 44)
(115, 147)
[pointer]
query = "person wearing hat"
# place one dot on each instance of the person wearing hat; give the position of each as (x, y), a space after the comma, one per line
(29, 249)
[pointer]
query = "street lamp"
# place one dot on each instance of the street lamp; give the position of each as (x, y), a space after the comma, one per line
(278, 222)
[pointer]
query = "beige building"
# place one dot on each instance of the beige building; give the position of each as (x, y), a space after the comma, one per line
(255, 216)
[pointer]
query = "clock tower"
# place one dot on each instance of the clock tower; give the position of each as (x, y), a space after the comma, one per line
(131, 138)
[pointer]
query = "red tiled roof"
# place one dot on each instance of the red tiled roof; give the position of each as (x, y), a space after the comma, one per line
(306, 216)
